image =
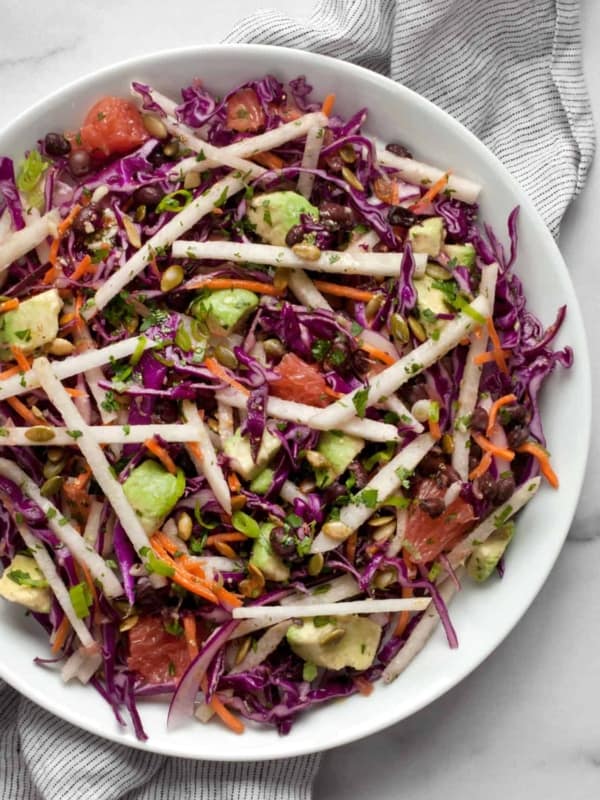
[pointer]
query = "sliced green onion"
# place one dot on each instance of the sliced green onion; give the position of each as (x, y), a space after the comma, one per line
(170, 202)
(245, 524)
(81, 599)
(139, 351)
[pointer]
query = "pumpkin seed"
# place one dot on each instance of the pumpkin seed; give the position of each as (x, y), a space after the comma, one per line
(417, 329)
(347, 154)
(399, 328)
(40, 433)
(225, 549)
(226, 356)
(52, 486)
(437, 272)
(51, 469)
(337, 530)
(55, 454)
(61, 347)
(171, 277)
(184, 526)
(140, 214)
(307, 252)
(373, 306)
(172, 148)
(243, 649)
(382, 519)
(448, 444)
(133, 234)
(191, 180)
(129, 623)
(383, 534)
(351, 178)
(281, 277)
(273, 348)
(155, 126)
(315, 564)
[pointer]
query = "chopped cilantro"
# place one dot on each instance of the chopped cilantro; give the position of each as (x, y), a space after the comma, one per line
(22, 578)
(360, 400)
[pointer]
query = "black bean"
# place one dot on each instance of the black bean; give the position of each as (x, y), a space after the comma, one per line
(381, 247)
(157, 158)
(398, 150)
(485, 487)
(511, 415)
(360, 361)
(79, 163)
(342, 215)
(56, 144)
(431, 462)
(295, 235)
(88, 217)
(446, 475)
(359, 472)
(402, 216)
(148, 196)
(479, 420)
(283, 542)
(517, 435)
(434, 506)
(505, 487)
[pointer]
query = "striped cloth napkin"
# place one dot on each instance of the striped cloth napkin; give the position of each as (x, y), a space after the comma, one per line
(510, 70)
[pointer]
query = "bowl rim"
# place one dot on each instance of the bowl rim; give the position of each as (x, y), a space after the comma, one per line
(307, 59)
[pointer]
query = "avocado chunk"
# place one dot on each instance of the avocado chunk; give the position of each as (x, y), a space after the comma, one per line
(262, 483)
(33, 324)
(340, 450)
(237, 447)
(430, 302)
(153, 492)
(486, 555)
(275, 213)
(318, 643)
(263, 557)
(463, 255)
(223, 310)
(23, 582)
(427, 236)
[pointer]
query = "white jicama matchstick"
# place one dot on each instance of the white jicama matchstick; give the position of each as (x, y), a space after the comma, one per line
(208, 465)
(392, 378)
(277, 613)
(21, 242)
(331, 261)
(103, 434)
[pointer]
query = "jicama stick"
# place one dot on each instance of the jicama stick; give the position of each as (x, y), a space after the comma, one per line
(310, 159)
(94, 375)
(93, 454)
(290, 492)
(393, 403)
(420, 634)
(395, 543)
(370, 606)
(392, 378)
(263, 649)
(64, 531)
(252, 145)
(303, 415)
(209, 465)
(225, 421)
(331, 261)
(92, 525)
(103, 434)
(425, 175)
(305, 290)
(74, 365)
(180, 224)
(469, 385)
(386, 481)
(21, 242)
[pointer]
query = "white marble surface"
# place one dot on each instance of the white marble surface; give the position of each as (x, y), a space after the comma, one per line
(526, 724)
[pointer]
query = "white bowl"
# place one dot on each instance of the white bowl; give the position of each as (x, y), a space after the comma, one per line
(482, 615)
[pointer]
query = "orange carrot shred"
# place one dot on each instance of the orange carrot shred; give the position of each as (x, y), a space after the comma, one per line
(235, 283)
(332, 393)
(351, 547)
(19, 356)
(224, 714)
(537, 451)
(434, 429)
(482, 467)
(226, 597)
(490, 447)
(8, 373)
(61, 634)
(157, 450)
(364, 686)
(328, 105)
(378, 354)
(9, 305)
(431, 193)
(362, 295)
(68, 220)
(82, 268)
(505, 400)
(225, 549)
(22, 410)
(189, 630)
(234, 482)
(404, 616)
(234, 536)
(75, 392)
(497, 345)
(489, 355)
(218, 371)
(269, 160)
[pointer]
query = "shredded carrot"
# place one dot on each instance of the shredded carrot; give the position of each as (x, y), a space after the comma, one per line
(218, 371)
(364, 686)
(89, 581)
(181, 576)
(234, 482)
(351, 547)
(68, 220)
(332, 393)
(434, 429)
(224, 714)
(19, 356)
(75, 392)
(167, 543)
(225, 549)
(157, 450)
(498, 351)
(269, 160)
(226, 597)
(482, 467)
(66, 318)
(505, 400)
(537, 451)
(195, 450)
(404, 616)
(61, 634)
(191, 638)
(8, 373)
(378, 354)
(328, 104)
(431, 193)
(490, 447)
(52, 259)
(225, 537)
(9, 305)
(22, 410)
(489, 355)
(84, 266)
(235, 283)
(362, 295)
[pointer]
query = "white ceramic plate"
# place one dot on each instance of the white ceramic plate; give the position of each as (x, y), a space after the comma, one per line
(484, 615)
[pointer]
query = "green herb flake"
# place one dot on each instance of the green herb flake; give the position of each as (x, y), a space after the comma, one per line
(403, 474)
(81, 599)
(360, 400)
(22, 578)
(74, 434)
(368, 498)
(173, 626)
(309, 672)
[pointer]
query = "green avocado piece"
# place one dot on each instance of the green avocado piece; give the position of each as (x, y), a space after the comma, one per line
(262, 483)
(340, 449)
(16, 585)
(263, 557)
(223, 309)
(153, 492)
(237, 447)
(462, 254)
(274, 214)
(33, 324)
(317, 644)
(427, 236)
(486, 555)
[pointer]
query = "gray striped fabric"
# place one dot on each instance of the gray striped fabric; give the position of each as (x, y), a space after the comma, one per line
(510, 70)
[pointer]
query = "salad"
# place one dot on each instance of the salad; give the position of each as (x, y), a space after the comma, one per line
(268, 398)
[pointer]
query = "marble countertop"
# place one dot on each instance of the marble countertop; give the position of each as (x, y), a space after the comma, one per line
(526, 723)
